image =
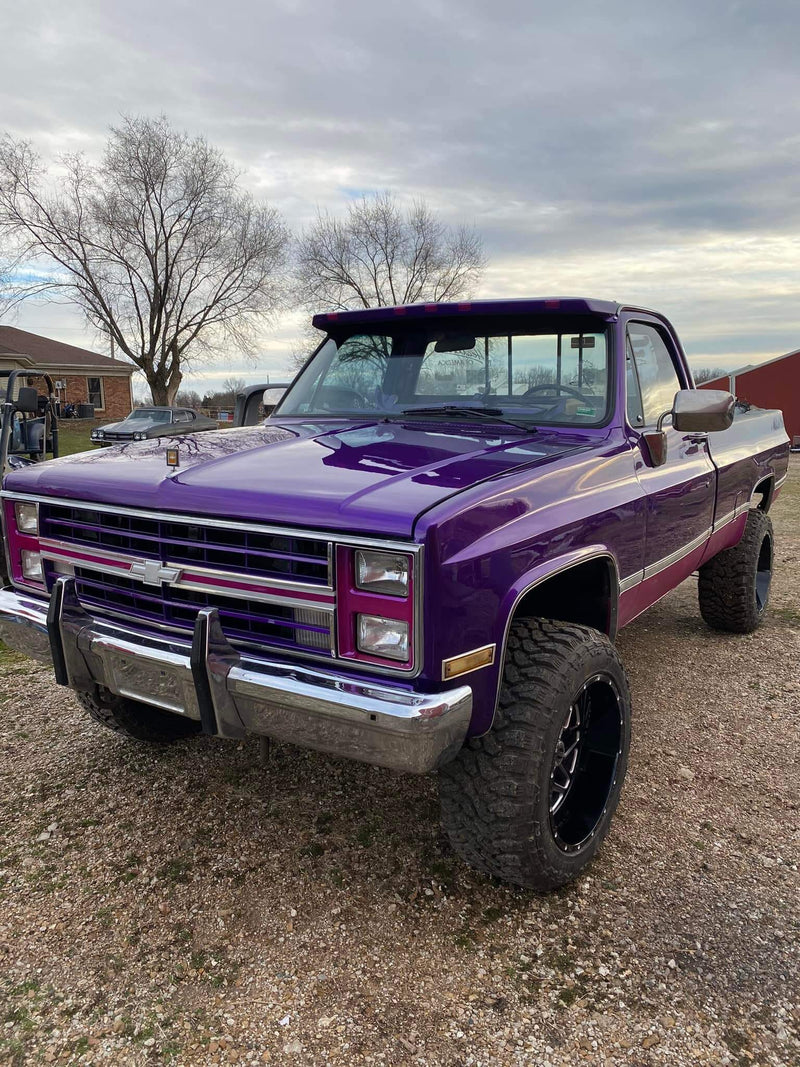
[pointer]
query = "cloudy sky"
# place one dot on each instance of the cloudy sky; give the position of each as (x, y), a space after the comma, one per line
(642, 151)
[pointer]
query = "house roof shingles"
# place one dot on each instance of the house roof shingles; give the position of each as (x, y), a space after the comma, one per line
(47, 353)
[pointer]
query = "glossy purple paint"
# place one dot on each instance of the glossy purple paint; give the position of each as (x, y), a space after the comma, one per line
(372, 478)
(497, 510)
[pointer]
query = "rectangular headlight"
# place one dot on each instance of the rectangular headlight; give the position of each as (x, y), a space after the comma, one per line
(378, 636)
(31, 563)
(27, 517)
(383, 572)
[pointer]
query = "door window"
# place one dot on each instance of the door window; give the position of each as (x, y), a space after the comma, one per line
(655, 370)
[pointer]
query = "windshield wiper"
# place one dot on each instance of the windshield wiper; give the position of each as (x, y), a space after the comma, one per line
(492, 414)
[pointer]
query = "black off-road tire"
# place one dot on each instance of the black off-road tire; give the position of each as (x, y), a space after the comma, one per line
(496, 794)
(140, 722)
(733, 587)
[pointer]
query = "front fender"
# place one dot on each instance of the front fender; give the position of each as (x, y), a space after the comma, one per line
(551, 567)
(485, 683)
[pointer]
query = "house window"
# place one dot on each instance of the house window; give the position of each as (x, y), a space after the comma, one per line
(95, 387)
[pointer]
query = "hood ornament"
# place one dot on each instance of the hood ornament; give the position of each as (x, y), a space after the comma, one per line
(173, 457)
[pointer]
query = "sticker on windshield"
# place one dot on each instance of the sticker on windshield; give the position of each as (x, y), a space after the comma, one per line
(585, 411)
(582, 342)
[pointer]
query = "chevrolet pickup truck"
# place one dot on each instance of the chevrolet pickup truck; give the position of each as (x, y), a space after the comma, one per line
(420, 559)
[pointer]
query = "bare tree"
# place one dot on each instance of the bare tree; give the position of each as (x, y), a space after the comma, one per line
(234, 385)
(380, 255)
(189, 398)
(157, 244)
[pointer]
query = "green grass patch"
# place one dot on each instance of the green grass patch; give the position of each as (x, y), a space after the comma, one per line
(11, 659)
(74, 435)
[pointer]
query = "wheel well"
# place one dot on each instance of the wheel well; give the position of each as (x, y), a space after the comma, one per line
(585, 594)
(763, 492)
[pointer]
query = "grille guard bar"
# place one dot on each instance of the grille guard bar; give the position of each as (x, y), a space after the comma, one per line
(232, 695)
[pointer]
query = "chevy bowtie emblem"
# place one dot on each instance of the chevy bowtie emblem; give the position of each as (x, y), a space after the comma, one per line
(153, 573)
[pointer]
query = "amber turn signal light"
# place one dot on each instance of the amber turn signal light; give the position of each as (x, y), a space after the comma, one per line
(469, 661)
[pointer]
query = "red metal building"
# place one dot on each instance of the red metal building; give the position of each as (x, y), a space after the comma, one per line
(774, 384)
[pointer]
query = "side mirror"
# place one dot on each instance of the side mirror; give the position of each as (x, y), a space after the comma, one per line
(702, 410)
(693, 411)
(272, 396)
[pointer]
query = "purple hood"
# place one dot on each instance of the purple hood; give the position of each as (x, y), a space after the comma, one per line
(372, 478)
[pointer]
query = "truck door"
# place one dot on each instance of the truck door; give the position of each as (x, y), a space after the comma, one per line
(681, 492)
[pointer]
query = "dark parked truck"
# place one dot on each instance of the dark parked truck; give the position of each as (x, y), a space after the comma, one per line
(421, 559)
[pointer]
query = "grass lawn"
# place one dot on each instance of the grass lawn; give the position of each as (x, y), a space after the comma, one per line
(73, 435)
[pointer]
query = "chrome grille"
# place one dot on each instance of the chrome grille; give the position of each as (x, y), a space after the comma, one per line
(244, 622)
(284, 557)
(298, 564)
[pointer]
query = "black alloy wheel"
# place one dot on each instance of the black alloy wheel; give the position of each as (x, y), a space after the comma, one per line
(734, 586)
(585, 762)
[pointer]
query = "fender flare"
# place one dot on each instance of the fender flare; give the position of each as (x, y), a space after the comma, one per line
(540, 574)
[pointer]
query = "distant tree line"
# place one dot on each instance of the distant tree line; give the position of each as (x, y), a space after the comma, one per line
(706, 374)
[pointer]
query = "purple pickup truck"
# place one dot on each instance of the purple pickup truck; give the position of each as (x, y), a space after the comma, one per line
(421, 559)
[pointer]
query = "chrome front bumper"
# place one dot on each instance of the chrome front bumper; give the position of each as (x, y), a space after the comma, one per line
(232, 695)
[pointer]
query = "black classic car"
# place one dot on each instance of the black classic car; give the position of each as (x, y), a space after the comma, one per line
(145, 423)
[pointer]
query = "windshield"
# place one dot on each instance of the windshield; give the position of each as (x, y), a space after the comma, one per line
(558, 376)
(150, 414)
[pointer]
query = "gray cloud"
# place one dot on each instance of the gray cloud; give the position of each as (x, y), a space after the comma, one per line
(636, 147)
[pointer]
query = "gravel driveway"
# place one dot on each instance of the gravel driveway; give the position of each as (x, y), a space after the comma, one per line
(194, 905)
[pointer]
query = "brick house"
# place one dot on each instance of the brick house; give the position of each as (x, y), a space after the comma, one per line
(80, 376)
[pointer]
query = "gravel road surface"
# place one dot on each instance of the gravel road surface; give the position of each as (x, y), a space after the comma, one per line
(194, 905)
